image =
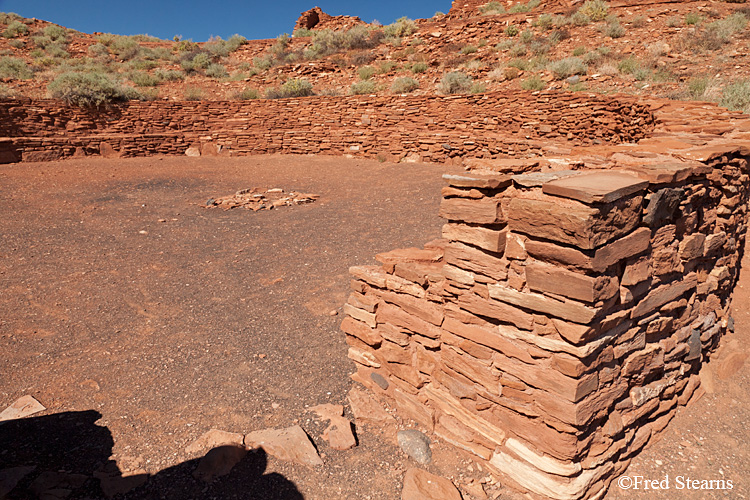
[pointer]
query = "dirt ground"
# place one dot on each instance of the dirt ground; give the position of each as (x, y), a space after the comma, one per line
(141, 319)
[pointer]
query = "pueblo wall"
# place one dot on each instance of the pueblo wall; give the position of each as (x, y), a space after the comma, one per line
(396, 128)
(563, 318)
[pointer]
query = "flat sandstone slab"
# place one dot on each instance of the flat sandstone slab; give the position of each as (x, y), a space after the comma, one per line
(595, 187)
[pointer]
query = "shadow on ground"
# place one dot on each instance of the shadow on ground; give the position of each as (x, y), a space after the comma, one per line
(66, 455)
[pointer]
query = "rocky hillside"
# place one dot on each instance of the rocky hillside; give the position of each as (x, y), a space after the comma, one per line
(682, 50)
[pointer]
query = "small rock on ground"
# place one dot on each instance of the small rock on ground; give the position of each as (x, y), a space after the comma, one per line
(416, 445)
(290, 444)
(366, 409)
(23, 407)
(421, 485)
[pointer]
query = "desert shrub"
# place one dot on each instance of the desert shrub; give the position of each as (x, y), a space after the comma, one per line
(123, 47)
(363, 87)
(468, 49)
(262, 63)
(192, 94)
(717, 34)
(327, 42)
(366, 72)
(613, 29)
(736, 96)
(524, 7)
(359, 37)
(387, 66)
(455, 82)
(294, 87)
(527, 36)
(492, 8)
(14, 29)
(302, 32)
(697, 86)
(518, 51)
(638, 22)
(629, 65)
(198, 61)
(57, 51)
(544, 21)
(404, 85)
(169, 75)
(142, 79)
(474, 64)
(692, 18)
(361, 57)
(401, 28)
(558, 36)
(56, 33)
(673, 22)
(98, 50)
(511, 30)
(247, 94)
(41, 41)
(17, 44)
(9, 17)
(521, 64)
(533, 83)
(579, 51)
(567, 67)
(419, 67)
(6, 92)
(216, 71)
(15, 69)
(478, 88)
(186, 46)
(595, 10)
(89, 89)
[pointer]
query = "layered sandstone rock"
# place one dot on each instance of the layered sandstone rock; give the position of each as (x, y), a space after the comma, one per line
(316, 19)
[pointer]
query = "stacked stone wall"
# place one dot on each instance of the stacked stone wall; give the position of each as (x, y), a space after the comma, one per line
(396, 128)
(565, 314)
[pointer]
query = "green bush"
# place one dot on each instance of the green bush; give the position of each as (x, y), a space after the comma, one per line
(169, 75)
(579, 51)
(123, 47)
(567, 67)
(544, 21)
(14, 29)
(401, 28)
(696, 87)
(15, 69)
(56, 33)
(595, 10)
(216, 71)
(492, 8)
(692, 18)
(89, 89)
(99, 50)
(291, 88)
(386, 66)
(6, 92)
(404, 85)
(737, 96)
(478, 88)
(363, 87)
(524, 7)
(17, 44)
(247, 94)
(468, 49)
(613, 29)
(366, 72)
(419, 67)
(142, 79)
(302, 32)
(629, 65)
(511, 30)
(455, 82)
(533, 83)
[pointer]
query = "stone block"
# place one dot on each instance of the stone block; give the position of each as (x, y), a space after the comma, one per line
(565, 309)
(558, 280)
(574, 224)
(595, 187)
(482, 237)
(484, 211)
(481, 181)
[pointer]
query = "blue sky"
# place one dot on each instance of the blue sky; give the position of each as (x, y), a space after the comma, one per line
(199, 20)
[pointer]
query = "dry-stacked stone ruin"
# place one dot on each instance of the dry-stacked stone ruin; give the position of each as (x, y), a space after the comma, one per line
(565, 314)
(585, 270)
